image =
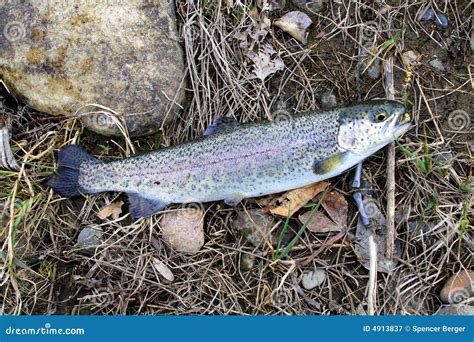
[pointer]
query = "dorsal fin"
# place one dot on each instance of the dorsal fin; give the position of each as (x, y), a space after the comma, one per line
(220, 123)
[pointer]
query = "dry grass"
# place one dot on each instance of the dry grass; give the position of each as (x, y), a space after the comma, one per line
(44, 272)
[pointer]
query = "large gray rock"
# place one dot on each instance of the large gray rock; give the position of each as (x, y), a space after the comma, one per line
(62, 55)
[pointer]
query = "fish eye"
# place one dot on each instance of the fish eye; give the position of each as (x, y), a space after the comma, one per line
(380, 117)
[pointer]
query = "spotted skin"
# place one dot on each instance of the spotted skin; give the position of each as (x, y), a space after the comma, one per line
(245, 161)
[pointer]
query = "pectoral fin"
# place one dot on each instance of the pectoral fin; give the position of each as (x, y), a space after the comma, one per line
(144, 207)
(327, 165)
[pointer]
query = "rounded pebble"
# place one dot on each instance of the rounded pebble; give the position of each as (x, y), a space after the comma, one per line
(312, 279)
(427, 14)
(89, 238)
(441, 20)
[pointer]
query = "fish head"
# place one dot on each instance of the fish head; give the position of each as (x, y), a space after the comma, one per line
(367, 127)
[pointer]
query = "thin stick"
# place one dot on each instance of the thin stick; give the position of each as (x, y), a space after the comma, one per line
(371, 293)
(390, 237)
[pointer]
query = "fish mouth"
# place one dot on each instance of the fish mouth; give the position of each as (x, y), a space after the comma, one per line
(400, 124)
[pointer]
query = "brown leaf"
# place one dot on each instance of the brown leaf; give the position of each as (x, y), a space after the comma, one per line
(319, 223)
(292, 201)
(336, 206)
(113, 209)
(295, 23)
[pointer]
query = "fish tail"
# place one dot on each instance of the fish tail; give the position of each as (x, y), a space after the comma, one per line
(66, 180)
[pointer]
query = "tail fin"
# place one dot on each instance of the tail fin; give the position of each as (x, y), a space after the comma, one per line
(66, 180)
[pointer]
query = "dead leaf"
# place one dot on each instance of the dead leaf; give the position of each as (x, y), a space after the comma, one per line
(265, 64)
(295, 24)
(319, 223)
(183, 229)
(112, 210)
(162, 269)
(336, 206)
(292, 201)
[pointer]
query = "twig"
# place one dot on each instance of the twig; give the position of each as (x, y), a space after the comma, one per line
(371, 293)
(323, 247)
(7, 161)
(390, 237)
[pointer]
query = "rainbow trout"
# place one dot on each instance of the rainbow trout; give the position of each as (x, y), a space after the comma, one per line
(233, 162)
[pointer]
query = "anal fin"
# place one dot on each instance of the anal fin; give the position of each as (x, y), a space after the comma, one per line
(144, 207)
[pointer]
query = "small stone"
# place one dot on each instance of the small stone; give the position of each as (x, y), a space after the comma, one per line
(247, 262)
(312, 279)
(441, 20)
(371, 64)
(427, 14)
(183, 229)
(437, 64)
(311, 5)
(254, 226)
(89, 238)
(445, 157)
(455, 310)
(420, 227)
(411, 58)
(458, 288)
(374, 70)
(328, 100)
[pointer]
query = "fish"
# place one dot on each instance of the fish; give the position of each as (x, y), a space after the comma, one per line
(235, 161)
